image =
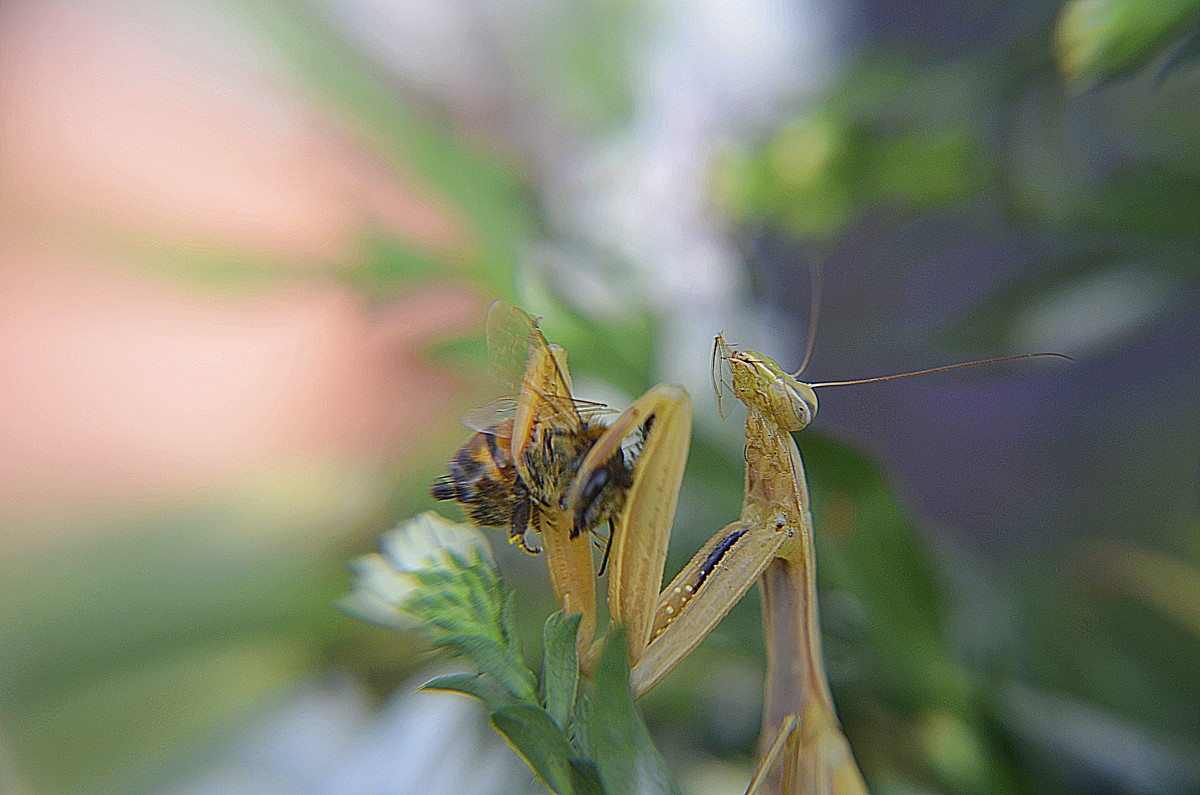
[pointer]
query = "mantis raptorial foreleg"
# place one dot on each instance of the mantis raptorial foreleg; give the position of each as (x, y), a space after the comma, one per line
(568, 555)
(639, 543)
(774, 522)
(660, 422)
(541, 460)
(640, 457)
(702, 593)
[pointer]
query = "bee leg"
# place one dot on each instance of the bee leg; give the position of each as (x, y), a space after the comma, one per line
(521, 514)
(526, 547)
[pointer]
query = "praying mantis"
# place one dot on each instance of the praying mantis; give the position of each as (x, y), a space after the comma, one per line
(803, 749)
(563, 466)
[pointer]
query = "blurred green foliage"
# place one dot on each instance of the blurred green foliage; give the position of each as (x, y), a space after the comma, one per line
(138, 648)
(891, 135)
(1098, 39)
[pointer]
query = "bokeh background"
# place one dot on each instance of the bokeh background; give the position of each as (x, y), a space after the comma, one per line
(245, 252)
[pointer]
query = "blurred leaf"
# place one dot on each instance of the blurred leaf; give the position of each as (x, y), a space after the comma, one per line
(166, 591)
(1116, 755)
(866, 546)
(1185, 56)
(1046, 176)
(388, 264)
(491, 196)
(107, 734)
(1148, 198)
(956, 753)
(560, 665)
(1079, 302)
(1170, 586)
(1104, 38)
(575, 63)
(889, 136)
(621, 353)
(1108, 650)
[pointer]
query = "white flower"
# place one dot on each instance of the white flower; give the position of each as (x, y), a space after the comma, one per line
(426, 542)
(385, 581)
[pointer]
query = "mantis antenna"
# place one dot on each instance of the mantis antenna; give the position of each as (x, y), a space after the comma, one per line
(814, 312)
(941, 369)
(814, 316)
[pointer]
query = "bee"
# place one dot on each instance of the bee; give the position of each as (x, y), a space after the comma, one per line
(526, 453)
(484, 481)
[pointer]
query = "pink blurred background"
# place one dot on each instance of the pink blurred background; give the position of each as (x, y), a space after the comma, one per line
(126, 142)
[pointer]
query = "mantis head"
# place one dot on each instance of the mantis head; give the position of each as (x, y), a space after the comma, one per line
(764, 386)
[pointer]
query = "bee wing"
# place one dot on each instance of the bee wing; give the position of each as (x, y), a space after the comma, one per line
(590, 409)
(486, 417)
(510, 335)
(514, 344)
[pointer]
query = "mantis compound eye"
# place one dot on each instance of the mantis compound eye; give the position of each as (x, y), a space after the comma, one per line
(798, 403)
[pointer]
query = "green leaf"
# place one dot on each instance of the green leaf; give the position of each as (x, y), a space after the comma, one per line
(1103, 38)
(585, 777)
(560, 665)
(1185, 56)
(499, 662)
(508, 623)
(536, 737)
(473, 685)
(616, 737)
(581, 721)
